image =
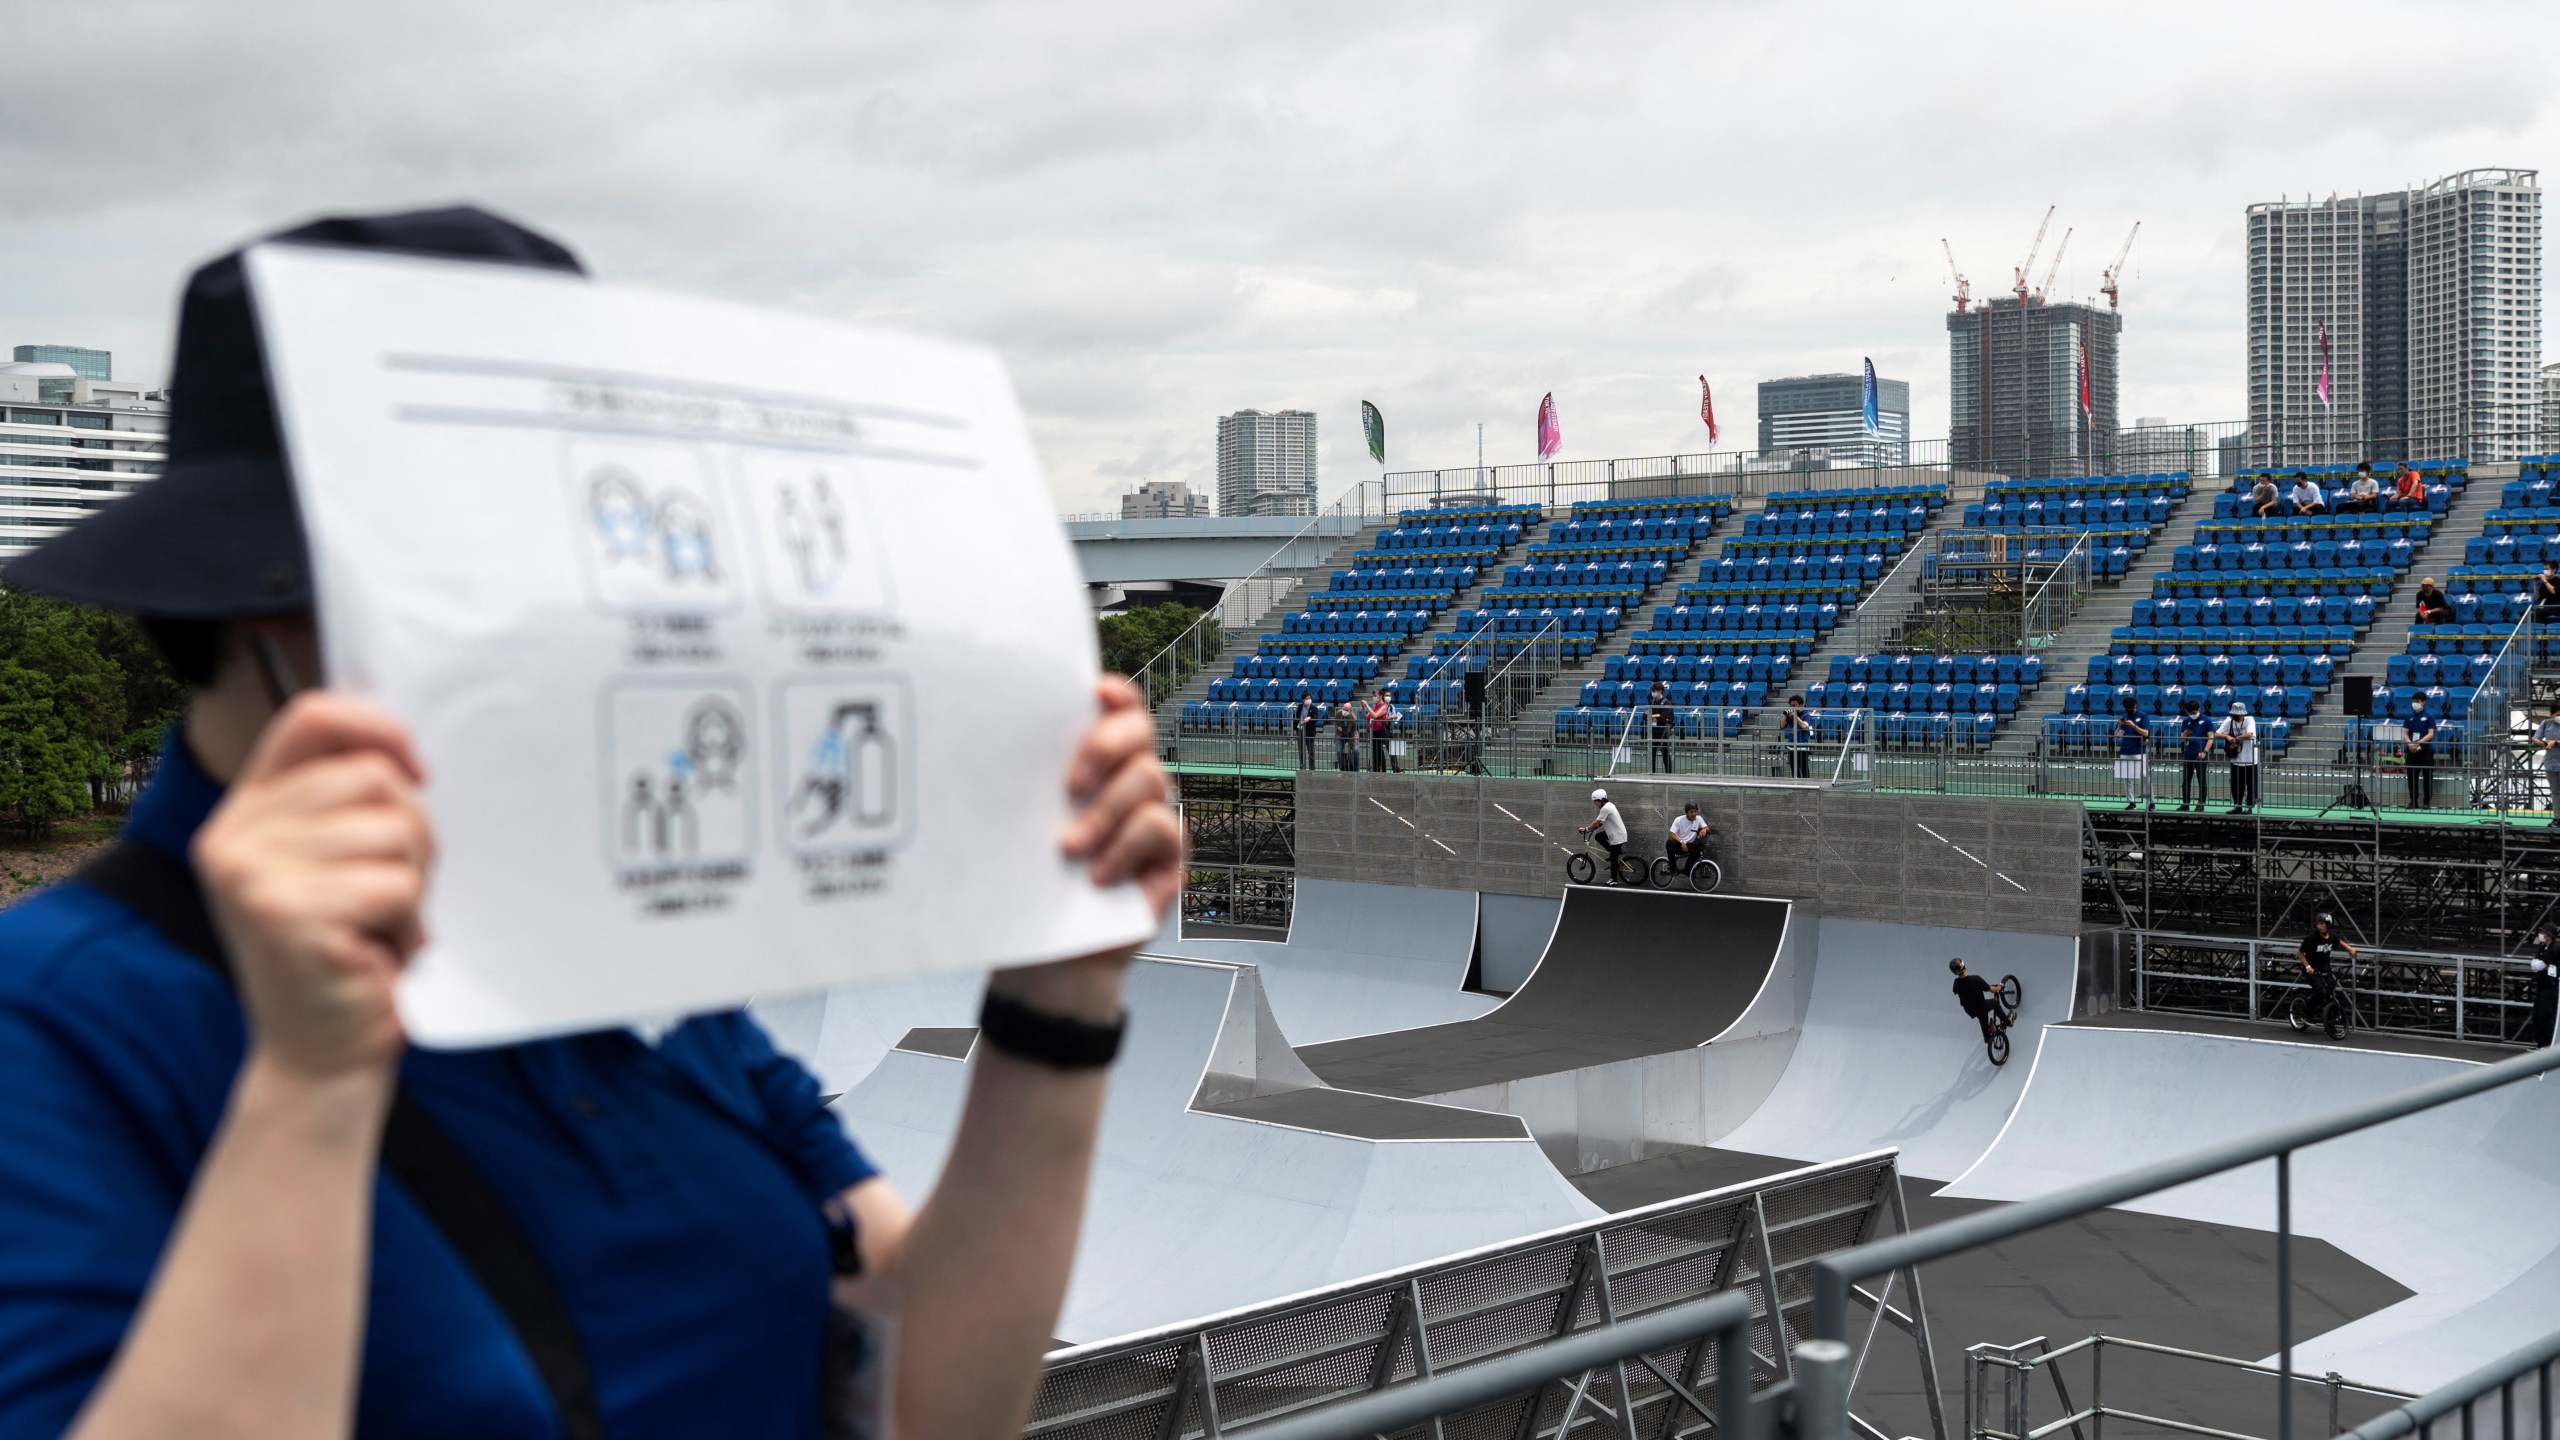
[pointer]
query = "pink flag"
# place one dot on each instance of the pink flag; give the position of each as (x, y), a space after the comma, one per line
(1550, 434)
(1707, 407)
(2321, 387)
(2084, 379)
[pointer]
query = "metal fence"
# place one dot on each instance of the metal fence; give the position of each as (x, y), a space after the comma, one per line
(2453, 997)
(1999, 1389)
(2492, 1399)
(1305, 1355)
(1837, 1278)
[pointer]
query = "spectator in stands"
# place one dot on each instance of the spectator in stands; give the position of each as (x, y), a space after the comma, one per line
(1658, 717)
(2546, 594)
(2418, 754)
(618, 1232)
(1612, 827)
(2195, 742)
(1346, 737)
(2238, 738)
(2433, 608)
(1795, 730)
(2408, 487)
(2317, 955)
(2263, 499)
(2133, 754)
(2546, 738)
(1688, 837)
(2305, 497)
(2546, 987)
(2365, 493)
(1307, 721)
(1382, 723)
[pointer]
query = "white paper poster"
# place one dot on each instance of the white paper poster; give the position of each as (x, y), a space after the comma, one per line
(744, 650)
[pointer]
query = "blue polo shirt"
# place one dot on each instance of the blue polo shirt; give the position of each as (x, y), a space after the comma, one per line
(2193, 732)
(673, 1191)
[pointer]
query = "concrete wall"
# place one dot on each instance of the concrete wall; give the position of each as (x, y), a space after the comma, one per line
(1928, 860)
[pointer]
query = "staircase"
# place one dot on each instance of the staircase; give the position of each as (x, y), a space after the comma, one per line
(1259, 601)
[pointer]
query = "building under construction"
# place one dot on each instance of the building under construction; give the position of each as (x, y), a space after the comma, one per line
(2014, 386)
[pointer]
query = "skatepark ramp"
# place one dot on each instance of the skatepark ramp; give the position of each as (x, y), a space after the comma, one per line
(1225, 1172)
(1297, 1355)
(1600, 1049)
(1359, 959)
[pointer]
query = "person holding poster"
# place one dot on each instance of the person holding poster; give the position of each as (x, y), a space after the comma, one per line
(239, 1202)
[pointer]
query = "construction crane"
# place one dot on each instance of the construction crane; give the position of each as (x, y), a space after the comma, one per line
(2056, 267)
(2115, 267)
(2030, 262)
(1964, 287)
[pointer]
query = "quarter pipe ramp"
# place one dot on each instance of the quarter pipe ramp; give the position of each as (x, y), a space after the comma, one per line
(1359, 959)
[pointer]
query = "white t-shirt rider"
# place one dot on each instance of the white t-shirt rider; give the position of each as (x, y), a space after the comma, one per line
(1685, 827)
(1613, 826)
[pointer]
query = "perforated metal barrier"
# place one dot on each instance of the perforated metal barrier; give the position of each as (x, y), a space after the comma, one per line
(1230, 1372)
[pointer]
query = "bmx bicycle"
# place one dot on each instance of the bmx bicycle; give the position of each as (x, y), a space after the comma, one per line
(1701, 874)
(2006, 998)
(2334, 1016)
(1583, 867)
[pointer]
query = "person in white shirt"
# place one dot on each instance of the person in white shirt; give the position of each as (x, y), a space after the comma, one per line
(2306, 496)
(2239, 738)
(1612, 827)
(2365, 493)
(2546, 738)
(1687, 841)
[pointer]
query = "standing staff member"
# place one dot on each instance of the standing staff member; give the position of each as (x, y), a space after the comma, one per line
(2195, 741)
(1308, 720)
(2546, 738)
(1382, 718)
(1796, 729)
(1658, 703)
(2418, 756)
(2239, 738)
(236, 1204)
(2546, 987)
(2133, 757)
(1346, 738)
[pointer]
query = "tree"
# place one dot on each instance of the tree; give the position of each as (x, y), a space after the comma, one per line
(45, 761)
(105, 699)
(1130, 640)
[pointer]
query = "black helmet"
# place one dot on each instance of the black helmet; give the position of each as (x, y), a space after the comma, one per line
(218, 535)
(1956, 966)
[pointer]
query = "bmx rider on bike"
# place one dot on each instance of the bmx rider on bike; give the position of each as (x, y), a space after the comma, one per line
(1612, 827)
(1688, 837)
(1980, 999)
(2316, 956)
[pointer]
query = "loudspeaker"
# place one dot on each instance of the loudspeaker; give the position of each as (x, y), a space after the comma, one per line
(1475, 690)
(2359, 697)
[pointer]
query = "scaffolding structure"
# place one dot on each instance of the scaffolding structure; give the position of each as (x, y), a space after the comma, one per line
(1244, 846)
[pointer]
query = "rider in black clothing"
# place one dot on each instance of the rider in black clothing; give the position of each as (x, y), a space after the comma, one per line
(1979, 997)
(2317, 955)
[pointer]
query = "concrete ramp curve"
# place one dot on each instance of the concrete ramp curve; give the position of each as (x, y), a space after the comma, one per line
(1886, 1058)
(1360, 959)
(1226, 1174)
(2460, 1204)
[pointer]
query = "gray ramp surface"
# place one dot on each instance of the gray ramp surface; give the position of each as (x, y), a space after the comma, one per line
(1359, 959)
(1194, 1211)
(1885, 1057)
(2460, 1204)
(1628, 973)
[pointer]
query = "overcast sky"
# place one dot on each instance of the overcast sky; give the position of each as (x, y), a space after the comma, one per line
(1160, 213)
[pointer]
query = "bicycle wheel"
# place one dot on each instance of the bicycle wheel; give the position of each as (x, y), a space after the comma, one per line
(2293, 1015)
(1663, 872)
(1705, 876)
(1999, 1045)
(1579, 869)
(2010, 992)
(2334, 1022)
(1630, 869)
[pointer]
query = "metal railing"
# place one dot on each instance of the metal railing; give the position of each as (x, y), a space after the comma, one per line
(2455, 1399)
(2482, 999)
(1944, 617)
(1247, 602)
(1470, 1333)
(1999, 1389)
(1836, 1278)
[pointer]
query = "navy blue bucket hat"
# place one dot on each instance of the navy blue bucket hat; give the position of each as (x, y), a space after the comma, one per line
(218, 536)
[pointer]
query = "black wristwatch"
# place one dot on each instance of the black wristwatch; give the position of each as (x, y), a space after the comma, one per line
(1059, 1041)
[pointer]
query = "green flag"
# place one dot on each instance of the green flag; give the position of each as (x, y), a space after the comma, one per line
(1374, 425)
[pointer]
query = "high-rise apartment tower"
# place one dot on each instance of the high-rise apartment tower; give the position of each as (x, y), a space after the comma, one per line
(1267, 463)
(1819, 421)
(2431, 300)
(2014, 369)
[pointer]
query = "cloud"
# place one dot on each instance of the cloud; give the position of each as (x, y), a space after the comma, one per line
(1161, 213)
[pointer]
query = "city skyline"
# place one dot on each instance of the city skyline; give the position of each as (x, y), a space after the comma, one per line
(1365, 212)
